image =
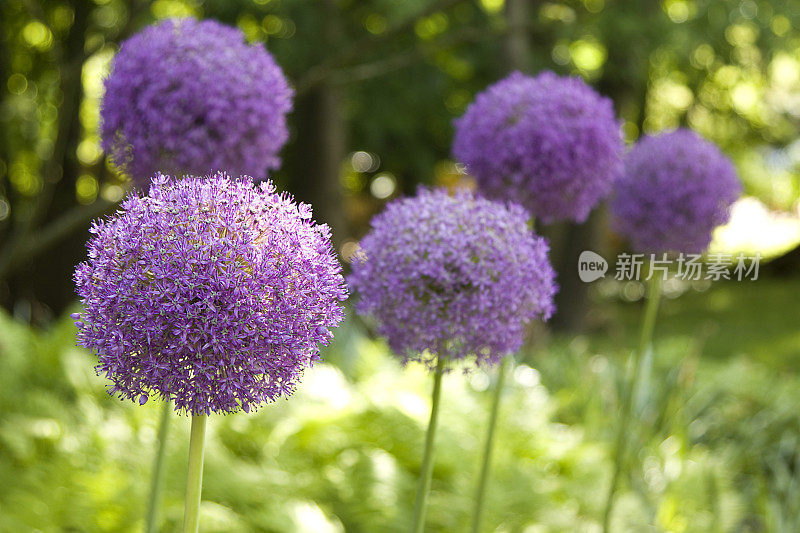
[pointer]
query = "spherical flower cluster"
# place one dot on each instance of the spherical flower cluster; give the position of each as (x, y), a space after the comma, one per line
(191, 97)
(212, 292)
(550, 143)
(452, 276)
(676, 189)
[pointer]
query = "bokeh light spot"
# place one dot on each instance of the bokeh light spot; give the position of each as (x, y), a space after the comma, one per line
(383, 186)
(17, 83)
(375, 24)
(37, 35)
(588, 55)
(364, 161)
(5, 208)
(86, 188)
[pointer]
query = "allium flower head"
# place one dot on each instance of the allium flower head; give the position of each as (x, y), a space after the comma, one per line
(550, 143)
(676, 189)
(188, 96)
(453, 276)
(210, 291)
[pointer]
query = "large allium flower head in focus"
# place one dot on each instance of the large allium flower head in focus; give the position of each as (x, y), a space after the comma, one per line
(192, 97)
(213, 292)
(676, 189)
(550, 143)
(452, 276)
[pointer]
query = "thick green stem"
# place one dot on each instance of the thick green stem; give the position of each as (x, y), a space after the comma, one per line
(194, 479)
(157, 482)
(424, 486)
(645, 340)
(487, 450)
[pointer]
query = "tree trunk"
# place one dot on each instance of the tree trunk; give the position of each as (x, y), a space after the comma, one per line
(321, 142)
(517, 44)
(40, 283)
(572, 300)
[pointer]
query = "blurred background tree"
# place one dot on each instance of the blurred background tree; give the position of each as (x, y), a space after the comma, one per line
(378, 84)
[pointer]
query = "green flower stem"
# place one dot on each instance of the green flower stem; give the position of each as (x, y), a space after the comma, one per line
(651, 310)
(194, 479)
(487, 450)
(157, 482)
(427, 459)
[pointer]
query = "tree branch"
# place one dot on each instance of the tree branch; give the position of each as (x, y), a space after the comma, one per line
(323, 70)
(62, 227)
(380, 67)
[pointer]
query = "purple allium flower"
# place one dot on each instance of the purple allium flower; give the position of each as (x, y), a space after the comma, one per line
(191, 97)
(550, 143)
(453, 276)
(676, 189)
(213, 292)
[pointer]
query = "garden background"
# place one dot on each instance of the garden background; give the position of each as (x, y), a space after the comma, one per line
(378, 84)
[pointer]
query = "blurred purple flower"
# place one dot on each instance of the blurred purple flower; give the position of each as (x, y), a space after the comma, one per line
(550, 143)
(213, 292)
(191, 97)
(453, 276)
(676, 189)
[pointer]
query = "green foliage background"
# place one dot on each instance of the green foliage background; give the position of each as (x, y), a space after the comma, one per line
(718, 429)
